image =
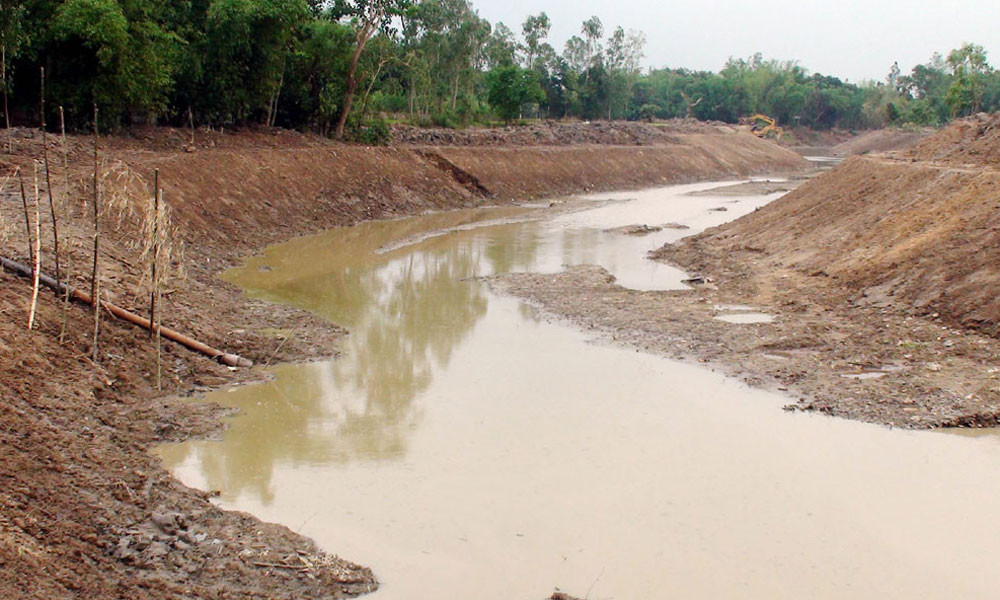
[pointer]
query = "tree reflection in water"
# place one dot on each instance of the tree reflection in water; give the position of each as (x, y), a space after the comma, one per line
(408, 311)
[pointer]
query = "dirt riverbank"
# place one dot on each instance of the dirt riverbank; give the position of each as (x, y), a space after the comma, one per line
(881, 276)
(85, 511)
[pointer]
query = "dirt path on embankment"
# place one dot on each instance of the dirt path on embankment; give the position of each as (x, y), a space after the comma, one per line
(85, 511)
(883, 276)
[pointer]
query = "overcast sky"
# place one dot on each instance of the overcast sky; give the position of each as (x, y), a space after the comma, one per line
(850, 39)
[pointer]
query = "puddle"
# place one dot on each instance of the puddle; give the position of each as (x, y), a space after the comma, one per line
(746, 318)
(865, 375)
(462, 447)
(735, 307)
(831, 160)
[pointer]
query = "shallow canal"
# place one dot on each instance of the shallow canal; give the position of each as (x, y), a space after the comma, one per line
(464, 447)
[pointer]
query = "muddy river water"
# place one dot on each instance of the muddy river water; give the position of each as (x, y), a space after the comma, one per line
(464, 447)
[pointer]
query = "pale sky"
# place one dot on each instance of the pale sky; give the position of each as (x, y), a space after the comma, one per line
(850, 39)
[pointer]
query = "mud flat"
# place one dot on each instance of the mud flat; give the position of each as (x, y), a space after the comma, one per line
(85, 511)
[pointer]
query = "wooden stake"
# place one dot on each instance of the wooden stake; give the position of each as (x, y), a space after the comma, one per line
(69, 253)
(95, 287)
(36, 266)
(155, 242)
(48, 181)
(156, 325)
(6, 112)
(27, 219)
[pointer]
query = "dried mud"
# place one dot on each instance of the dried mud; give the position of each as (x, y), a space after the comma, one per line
(85, 511)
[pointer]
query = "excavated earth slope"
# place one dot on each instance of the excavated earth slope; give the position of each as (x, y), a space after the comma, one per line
(885, 275)
(920, 230)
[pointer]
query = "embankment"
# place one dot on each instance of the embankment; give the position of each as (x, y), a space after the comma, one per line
(885, 274)
(919, 232)
(255, 196)
(85, 511)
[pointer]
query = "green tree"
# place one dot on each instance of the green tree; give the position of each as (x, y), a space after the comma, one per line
(248, 44)
(367, 17)
(969, 70)
(510, 88)
(501, 48)
(536, 29)
(116, 54)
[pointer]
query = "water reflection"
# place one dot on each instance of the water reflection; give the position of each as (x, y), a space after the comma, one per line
(462, 444)
(407, 311)
(407, 299)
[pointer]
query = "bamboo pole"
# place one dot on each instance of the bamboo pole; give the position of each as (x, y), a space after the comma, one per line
(69, 253)
(37, 262)
(48, 179)
(156, 248)
(95, 286)
(6, 112)
(27, 218)
(231, 360)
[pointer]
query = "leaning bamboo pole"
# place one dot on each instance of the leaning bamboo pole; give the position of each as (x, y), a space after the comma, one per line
(37, 262)
(231, 360)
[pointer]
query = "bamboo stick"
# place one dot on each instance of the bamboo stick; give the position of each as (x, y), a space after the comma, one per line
(69, 253)
(37, 263)
(95, 286)
(27, 218)
(48, 180)
(156, 248)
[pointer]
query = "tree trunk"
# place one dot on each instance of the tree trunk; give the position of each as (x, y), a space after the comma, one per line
(277, 94)
(352, 82)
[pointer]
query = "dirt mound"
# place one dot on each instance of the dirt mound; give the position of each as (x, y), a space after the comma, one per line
(882, 140)
(918, 236)
(806, 138)
(975, 140)
(617, 133)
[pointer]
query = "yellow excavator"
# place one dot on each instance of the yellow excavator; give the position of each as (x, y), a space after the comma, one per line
(763, 126)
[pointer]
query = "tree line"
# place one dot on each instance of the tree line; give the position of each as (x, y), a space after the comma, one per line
(339, 67)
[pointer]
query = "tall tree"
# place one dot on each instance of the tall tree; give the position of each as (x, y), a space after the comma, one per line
(535, 29)
(501, 48)
(969, 69)
(510, 88)
(248, 44)
(593, 31)
(368, 17)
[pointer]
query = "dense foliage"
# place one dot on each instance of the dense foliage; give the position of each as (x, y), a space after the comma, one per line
(333, 65)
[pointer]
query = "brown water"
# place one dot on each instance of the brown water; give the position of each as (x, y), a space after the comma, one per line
(465, 448)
